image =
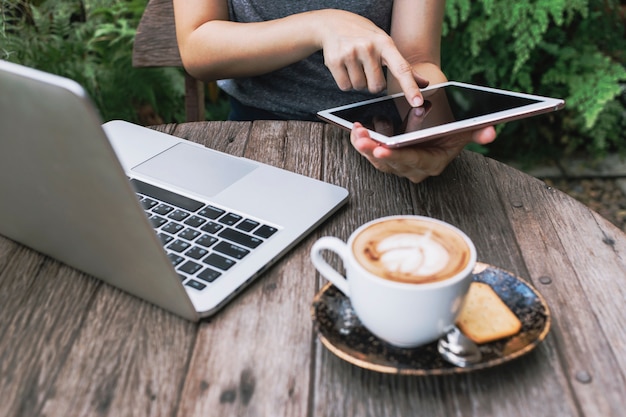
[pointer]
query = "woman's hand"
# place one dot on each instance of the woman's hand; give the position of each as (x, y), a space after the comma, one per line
(356, 50)
(420, 161)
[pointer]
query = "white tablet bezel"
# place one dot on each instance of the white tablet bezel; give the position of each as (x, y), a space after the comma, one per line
(542, 105)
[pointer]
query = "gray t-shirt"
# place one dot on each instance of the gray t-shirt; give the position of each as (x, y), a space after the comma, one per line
(299, 90)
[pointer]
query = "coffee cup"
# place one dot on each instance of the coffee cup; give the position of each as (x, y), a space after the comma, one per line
(406, 276)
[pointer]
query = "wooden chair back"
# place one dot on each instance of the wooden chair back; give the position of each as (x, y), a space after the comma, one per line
(156, 46)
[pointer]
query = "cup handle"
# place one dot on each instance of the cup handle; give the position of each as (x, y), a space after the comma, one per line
(339, 247)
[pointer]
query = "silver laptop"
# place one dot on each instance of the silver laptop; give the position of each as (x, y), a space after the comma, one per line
(170, 221)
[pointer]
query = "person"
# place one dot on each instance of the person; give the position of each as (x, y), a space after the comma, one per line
(289, 59)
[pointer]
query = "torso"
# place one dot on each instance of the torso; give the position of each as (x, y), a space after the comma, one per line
(301, 89)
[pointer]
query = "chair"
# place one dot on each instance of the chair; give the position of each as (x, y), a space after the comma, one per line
(156, 46)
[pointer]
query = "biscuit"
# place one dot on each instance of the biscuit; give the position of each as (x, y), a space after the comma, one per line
(484, 317)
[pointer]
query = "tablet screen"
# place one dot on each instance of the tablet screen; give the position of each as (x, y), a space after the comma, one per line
(449, 103)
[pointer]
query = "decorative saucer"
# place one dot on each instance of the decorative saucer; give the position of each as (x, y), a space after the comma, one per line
(342, 333)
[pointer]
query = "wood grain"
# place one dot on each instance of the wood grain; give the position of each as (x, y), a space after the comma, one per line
(42, 312)
(576, 251)
(254, 358)
(155, 43)
(71, 345)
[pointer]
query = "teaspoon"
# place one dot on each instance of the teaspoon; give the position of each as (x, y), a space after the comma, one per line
(457, 349)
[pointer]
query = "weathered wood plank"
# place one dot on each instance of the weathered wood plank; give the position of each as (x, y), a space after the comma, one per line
(130, 358)
(155, 42)
(42, 310)
(372, 193)
(253, 358)
(583, 285)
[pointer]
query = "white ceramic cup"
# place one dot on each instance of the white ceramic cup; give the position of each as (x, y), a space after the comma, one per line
(402, 314)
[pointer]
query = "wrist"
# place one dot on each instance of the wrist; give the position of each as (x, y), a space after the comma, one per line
(316, 23)
(324, 25)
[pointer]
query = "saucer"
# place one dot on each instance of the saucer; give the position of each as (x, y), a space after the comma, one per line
(342, 333)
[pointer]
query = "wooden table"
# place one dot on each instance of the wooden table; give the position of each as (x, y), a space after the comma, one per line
(73, 346)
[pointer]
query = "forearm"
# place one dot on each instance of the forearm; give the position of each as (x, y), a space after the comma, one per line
(416, 30)
(222, 49)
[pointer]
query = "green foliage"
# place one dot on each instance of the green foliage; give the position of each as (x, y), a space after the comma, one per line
(572, 49)
(90, 41)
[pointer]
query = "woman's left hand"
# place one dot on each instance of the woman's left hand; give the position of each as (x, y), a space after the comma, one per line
(417, 162)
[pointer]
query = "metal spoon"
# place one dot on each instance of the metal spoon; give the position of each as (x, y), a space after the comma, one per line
(457, 349)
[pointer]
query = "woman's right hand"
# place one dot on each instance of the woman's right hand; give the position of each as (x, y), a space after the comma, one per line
(356, 52)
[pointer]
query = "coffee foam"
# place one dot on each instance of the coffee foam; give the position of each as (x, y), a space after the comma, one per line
(411, 250)
(411, 254)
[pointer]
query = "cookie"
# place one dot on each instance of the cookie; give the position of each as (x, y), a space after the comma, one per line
(484, 317)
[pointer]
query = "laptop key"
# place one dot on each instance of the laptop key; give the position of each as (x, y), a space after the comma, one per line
(178, 215)
(230, 219)
(211, 212)
(206, 240)
(219, 261)
(189, 234)
(157, 221)
(176, 259)
(162, 209)
(247, 225)
(241, 238)
(196, 252)
(172, 228)
(179, 246)
(195, 284)
(190, 267)
(166, 196)
(231, 250)
(165, 239)
(266, 231)
(195, 221)
(209, 275)
(212, 227)
(148, 203)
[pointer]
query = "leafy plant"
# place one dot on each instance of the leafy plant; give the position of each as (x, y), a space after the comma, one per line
(570, 49)
(90, 41)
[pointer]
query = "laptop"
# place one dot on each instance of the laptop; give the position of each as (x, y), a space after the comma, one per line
(172, 222)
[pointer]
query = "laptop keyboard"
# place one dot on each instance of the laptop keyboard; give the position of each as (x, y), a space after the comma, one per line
(202, 241)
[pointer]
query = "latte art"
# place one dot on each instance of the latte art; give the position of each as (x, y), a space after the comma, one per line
(411, 250)
(411, 254)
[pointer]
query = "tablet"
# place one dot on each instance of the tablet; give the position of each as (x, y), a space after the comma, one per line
(448, 107)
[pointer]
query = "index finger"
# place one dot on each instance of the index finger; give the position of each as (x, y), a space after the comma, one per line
(402, 70)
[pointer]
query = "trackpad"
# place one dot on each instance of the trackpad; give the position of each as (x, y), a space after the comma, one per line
(201, 171)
